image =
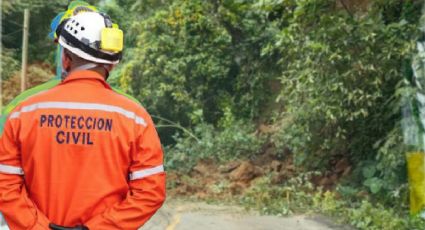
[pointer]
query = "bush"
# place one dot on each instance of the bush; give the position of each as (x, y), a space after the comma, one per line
(292, 197)
(201, 56)
(298, 195)
(342, 73)
(236, 141)
(9, 65)
(368, 216)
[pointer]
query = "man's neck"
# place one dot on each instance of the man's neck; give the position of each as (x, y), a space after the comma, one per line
(98, 69)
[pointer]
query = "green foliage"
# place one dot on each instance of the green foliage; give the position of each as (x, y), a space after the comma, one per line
(41, 14)
(200, 56)
(377, 217)
(170, 69)
(210, 70)
(292, 197)
(365, 215)
(391, 160)
(237, 141)
(340, 70)
(9, 65)
(298, 195)
(340, 77)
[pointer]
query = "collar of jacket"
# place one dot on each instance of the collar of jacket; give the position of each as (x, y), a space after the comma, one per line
(87, 75)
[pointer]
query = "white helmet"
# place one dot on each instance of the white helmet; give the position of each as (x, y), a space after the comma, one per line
(84, 33)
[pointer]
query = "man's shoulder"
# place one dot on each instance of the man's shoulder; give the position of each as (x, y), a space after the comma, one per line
(44, 93)
(22, 98)
(130, 104)
(126, 95)
(126, 99)
(29, 94)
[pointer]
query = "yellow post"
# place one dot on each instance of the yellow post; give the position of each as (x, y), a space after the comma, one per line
(416, 173)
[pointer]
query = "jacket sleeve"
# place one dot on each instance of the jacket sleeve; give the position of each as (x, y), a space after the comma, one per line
(146, 183)
(15, 205)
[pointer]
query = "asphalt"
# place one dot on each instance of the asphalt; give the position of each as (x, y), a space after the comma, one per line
(187, 215)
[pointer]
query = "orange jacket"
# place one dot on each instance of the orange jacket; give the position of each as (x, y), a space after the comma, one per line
(80, 154)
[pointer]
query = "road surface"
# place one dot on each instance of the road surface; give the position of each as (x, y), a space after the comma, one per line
(183, 215)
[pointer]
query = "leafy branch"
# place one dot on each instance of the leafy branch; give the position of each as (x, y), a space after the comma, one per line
(172, 124)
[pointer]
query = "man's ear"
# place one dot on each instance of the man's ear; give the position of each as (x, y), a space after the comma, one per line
(66, 60)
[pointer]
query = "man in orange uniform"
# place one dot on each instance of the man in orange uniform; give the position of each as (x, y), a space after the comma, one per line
(80, 156)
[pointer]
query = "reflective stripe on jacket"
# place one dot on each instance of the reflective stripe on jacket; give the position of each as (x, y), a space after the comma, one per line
(35, 90)
(80, 153)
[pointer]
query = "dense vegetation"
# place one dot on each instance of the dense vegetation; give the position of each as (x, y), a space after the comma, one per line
(325, 75)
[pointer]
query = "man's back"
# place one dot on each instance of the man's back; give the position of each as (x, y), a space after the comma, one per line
(81, 146)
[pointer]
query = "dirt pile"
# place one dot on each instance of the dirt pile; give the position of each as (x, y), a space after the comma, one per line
(211, 180)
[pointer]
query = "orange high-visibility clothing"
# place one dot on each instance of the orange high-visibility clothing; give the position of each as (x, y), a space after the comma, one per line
(80, 154)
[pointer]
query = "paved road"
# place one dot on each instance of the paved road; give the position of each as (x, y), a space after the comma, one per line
(179, 215)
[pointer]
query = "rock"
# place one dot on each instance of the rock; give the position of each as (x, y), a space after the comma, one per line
(325, 181)
(288, 167)
(334, 179)
(347, 171)
(266, 129)
(362, 194)
(270, 151)
(203, 167)
(279, 178)
(276, 166)
(245, 172)
(258, 171)
(322, 181)
(341, 165)
(201, 195)
(236, 188)
(181, 190)
(227, 168)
